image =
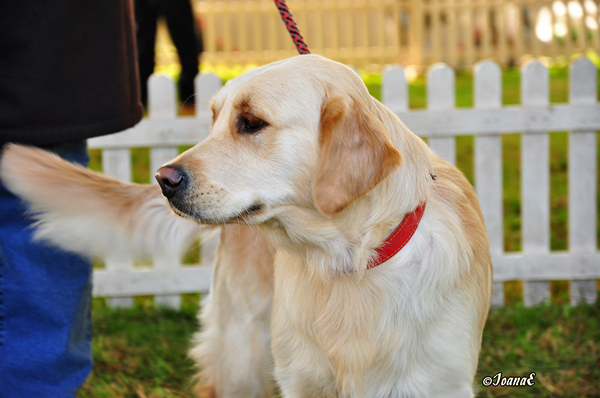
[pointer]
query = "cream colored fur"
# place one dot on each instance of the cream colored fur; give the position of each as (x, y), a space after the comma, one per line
(334, 172)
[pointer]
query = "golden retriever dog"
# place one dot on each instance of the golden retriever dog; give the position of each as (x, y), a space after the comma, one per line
(379, 280)
(302, 150)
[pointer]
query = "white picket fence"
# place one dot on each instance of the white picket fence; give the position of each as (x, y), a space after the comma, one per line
(410, 32)
(441, 122)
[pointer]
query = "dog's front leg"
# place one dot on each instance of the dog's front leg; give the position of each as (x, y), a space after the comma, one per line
(233, 350)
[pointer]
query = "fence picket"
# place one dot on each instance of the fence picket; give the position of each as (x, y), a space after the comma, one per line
(162, 102)
(469, 41)
(579, 24)
(519, 37)
(117, 163)
(394, 89)
(435, 35)
(582, 178)
(158, 157)
(162, 105)
(453, 58)
(440, 96)
(206, 85)
(208, 254)
(534, 44)
(500, 14)
(488, 164)
(486, 38)
(592, 12)
(535, 179)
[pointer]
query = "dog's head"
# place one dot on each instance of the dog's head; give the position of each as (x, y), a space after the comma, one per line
(296, 133)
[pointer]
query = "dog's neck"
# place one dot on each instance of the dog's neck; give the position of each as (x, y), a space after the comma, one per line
(346, 242)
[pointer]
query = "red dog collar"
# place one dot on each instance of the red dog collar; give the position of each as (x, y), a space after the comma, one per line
(399, 238)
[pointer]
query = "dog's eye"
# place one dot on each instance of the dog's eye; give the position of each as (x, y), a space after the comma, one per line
(250, 124)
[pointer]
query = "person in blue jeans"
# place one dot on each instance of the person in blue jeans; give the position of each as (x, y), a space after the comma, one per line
(67, 73)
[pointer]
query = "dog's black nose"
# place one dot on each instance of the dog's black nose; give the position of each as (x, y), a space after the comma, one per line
(170, 180)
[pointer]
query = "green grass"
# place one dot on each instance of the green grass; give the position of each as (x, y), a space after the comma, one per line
(560, 343)
(141, 352)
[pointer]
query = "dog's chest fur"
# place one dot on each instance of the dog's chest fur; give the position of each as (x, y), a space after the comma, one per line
(356, 335)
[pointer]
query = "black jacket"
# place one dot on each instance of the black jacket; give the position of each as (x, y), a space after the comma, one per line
(67, 70)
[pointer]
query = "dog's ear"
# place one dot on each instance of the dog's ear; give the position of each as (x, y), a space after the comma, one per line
(356, 154)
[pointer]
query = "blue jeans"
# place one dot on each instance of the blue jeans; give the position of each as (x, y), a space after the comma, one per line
(45, 305)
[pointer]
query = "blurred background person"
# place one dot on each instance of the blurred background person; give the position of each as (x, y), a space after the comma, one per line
(185, 34)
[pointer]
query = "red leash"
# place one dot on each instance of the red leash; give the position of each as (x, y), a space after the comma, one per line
(292, 27)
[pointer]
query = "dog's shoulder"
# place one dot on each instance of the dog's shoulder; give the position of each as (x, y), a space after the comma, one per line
(453, 191)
